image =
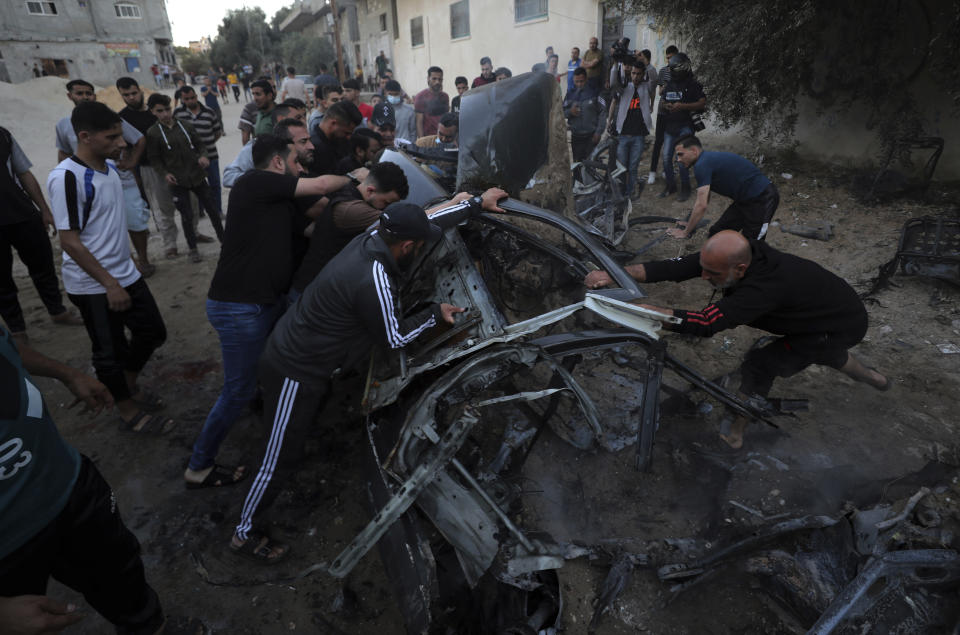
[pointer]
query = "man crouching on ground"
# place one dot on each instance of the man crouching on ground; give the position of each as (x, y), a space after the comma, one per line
(818, 314)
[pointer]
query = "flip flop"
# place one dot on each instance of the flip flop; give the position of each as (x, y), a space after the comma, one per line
(257, 548)
(149, 424)
(219, 476)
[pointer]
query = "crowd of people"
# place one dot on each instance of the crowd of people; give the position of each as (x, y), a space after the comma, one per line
(303, 288)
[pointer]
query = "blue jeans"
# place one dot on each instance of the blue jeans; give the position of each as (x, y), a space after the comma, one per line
(213, 178)
(670, 155)
(243, 331)
(629, 149)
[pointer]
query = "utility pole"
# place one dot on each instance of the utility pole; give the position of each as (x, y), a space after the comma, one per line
(336, 38)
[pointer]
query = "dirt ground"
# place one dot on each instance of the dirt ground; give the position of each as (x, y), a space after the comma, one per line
(855, 444)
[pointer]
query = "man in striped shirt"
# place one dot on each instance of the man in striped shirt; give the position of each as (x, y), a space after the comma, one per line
(207, 124)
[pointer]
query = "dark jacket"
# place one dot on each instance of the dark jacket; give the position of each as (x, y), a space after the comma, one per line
(780, 293)
(175, 150)
(350, 307)
(592, 111)
(327, 152)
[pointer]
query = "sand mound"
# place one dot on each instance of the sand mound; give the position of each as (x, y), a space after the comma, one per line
(111, 97)
(36, 104)
(44, 99)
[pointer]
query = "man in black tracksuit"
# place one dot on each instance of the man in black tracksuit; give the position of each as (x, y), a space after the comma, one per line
(818, 315)
(350, 307)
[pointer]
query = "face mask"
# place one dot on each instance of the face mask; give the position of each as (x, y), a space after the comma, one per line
(394, 99)
(446, 145)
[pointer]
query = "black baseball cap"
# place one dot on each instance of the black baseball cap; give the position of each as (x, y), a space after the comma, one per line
(383, 115)
(407, 221)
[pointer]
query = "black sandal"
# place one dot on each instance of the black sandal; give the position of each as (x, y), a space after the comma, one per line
(257, 548)
(149, 424)
(219, 476)
(149, 402)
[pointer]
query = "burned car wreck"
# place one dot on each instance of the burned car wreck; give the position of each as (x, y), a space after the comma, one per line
(454, 421)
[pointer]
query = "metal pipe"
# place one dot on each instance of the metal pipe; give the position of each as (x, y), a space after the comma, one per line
(512, 528)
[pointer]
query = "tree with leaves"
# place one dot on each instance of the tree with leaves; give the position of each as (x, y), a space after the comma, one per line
(758, 58)
(244, 37)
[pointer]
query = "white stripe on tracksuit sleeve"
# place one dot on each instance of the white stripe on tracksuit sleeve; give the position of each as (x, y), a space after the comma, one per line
(395, 338)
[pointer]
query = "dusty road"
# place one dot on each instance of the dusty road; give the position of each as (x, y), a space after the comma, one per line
(851, 445)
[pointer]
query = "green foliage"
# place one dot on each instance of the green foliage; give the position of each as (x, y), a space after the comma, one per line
(244, 37)
(191, 62)
(279, 17)
(305, 53)
(756, 58)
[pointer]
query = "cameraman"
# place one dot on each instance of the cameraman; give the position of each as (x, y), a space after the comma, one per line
(584, 114)
(632, 123)
(681, 98)
(622, 60)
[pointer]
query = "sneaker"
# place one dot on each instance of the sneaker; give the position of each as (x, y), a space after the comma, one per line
(171, 253)
(204, 239)
(195, 256)
(667, 192)
(652, 178)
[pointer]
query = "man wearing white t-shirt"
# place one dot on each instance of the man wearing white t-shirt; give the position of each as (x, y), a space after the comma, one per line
(99, 275)
(293, 87)
(80, 91)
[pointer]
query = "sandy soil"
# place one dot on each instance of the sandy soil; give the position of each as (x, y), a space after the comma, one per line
(851, 445)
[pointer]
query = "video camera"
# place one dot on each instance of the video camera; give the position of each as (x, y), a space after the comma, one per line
(620, 52)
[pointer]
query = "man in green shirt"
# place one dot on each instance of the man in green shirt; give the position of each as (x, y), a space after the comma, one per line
(58, 517)
(264, 97)
(179, 155)
(593, 62)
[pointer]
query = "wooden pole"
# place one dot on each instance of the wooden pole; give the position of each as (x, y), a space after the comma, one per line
(336, 38)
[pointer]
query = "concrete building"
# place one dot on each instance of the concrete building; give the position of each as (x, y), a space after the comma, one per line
(513, 33)
(97, 40)
(366, 28)
(200, 46)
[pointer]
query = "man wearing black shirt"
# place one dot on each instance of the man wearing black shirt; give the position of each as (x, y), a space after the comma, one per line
(364, 146)
(330, 136)
(461, 84)
(816, 313)
(246, 293)
(350, 211)
(24, 219)
(681, 96)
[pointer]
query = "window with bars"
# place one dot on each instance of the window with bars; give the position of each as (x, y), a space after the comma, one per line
(529, 9)
(127, 10)
(460, 19)
(42, 8)
(416, 31)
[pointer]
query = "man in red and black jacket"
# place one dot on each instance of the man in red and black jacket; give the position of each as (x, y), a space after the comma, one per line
(818, 314)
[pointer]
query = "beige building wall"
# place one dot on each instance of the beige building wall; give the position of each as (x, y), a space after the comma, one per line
(493, 33)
